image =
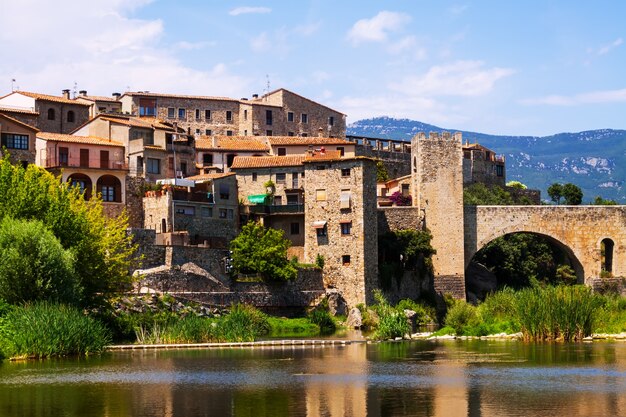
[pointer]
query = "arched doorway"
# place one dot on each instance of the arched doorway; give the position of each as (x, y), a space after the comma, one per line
(83, 182)
(606, 256)
(519, 259)
(110, 188)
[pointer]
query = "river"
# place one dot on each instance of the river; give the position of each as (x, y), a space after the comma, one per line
(419, 378)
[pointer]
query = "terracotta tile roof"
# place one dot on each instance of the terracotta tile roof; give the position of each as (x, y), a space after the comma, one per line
(88, 140)
(149, 94)
(212, 176)
(231, 143)
(99, 98)
(326, 156)
(17, 110)
(476, 146)
(242, 162)
(27, 126)
(155, 147)
(146, 122)
(309, 140)
(47, 97)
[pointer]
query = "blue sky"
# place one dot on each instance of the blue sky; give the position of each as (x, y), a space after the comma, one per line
(528, 68)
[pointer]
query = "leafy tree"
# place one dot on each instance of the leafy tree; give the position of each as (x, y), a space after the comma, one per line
(480, 194)
(34, 265)
(402, 250)
(262, 250)
(101, 247)
(555, 191)
(599, 201)
(573, 194)
(516, 184)
(381, 172)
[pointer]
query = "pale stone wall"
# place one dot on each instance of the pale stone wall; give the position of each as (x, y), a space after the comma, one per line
(392, 219)
(60, 123)
(578, 229)
(355, 280)
(437, 167)
(247, 186)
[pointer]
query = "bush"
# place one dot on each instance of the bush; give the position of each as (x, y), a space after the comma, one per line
(323, 319)
(43, 330)
(392, 325)
(425, 314)
(244, 323)
(461, 316)
(190, 329)
(34, 264)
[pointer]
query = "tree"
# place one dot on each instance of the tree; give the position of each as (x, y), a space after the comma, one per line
(101, 247)
(516, 184)
(34, 265)
(573, 194)
(555, 191)
(480, 194)
(262, 250)
(599, 201)
(381, 172)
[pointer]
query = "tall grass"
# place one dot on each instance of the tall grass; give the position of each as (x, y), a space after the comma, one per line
(44, 329)
(392, 323)
(557, 313)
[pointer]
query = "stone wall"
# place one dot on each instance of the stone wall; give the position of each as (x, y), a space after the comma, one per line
(616, 285)
(134, 201)
(148, 255)
(533, 195)
(391, 219)
(60, 123)
(477, 169)
(211, 260)
(397, 163)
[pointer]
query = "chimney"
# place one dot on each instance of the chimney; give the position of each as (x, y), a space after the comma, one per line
(214, 141)
(66, 94)
(244, 98)
(255, 96)
(83, 93)
(117, 96)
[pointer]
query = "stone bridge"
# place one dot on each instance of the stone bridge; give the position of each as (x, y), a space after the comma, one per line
(579, 230)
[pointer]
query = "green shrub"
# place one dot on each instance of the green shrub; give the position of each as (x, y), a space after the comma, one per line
(43, 330)
(244, 323)
(462, 315)
(292, 327)
(425, 314)
(190, 329)
(320, 261)
(34, 264)
(323, 319)
(391, 325)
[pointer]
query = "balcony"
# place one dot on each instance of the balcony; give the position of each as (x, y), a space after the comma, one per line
(63, 162)
(197, 196)
(276, 209)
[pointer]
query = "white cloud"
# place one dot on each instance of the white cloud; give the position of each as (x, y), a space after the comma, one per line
(607, 48)
(378, 27)
(462, 78)
(593, 97)
(193, 46)
(408, 46)
(249, 10)
(102, 49)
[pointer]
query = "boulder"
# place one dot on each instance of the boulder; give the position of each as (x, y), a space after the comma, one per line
(336, 304)
(411, 318)
(355, 319)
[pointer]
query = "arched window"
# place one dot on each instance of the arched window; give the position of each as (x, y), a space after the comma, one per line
(110, 188)
(51, 115)
(83, 182)
(70, 116)
(606, 255)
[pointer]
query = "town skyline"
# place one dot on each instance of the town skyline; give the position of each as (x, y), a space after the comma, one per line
(500, 69)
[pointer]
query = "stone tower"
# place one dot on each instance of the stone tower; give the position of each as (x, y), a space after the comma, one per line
(437, 179)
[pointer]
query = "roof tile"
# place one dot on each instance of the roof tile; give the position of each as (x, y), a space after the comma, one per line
(242, 162)
(88, 140)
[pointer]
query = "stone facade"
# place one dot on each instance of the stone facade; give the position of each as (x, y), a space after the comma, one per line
(12, 135)
(482, 165)
(392, 219)
(437, 170)
(340, 225)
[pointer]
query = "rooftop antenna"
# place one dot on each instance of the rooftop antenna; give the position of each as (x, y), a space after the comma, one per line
(12, 84)
(267, 91)
(75, 89)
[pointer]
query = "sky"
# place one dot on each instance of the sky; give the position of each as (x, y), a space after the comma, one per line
(500, 67)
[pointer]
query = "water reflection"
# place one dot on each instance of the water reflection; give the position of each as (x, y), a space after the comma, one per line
(468, 378)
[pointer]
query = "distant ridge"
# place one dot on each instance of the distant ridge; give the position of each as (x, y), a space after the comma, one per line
(595, 159)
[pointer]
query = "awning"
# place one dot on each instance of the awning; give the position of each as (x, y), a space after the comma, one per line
(319, 224)
(259, 199)
(177, 181)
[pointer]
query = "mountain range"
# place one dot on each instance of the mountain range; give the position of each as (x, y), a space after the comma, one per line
(595, 160)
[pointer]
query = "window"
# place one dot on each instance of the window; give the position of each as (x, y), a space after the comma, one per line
(224, 191)
(146, 135)
(292, 199)
(278, 200)
(499, 170)
(405, 190)
(110, 188)
(245, 132)
(207, 158)
(108, 193)
(281, 178)
(13, 141)
(51, 115)
(183, 168)
(294, 180)
(290, 134)
(223, 213)
(320, 195)
(268, 117)
(282, 151)
(206, 211)
(344, 199)
(207, 114)
(304, 135)
(64, 154)
(346, 228)
(171, 112)
(245, 115)
(304, 118)
(153, 166)
(606, 256)
(147, 107)
(345, 260)
(254, 177)
(208, 132)
(295, 228)
(230, 158)
(320, 167)
(186, 210)
(231, 214)
(268, 133)
(229, 133)
(331, 121)
(71, 117)
(229, 116)
(342, 150)
(197, 114)
(345, 172)
(290, 116)
(321, 231)
(181, 113)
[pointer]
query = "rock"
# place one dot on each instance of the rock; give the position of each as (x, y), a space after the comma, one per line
(336, 304)
(479, 281)
(411, 318)
(355, 319)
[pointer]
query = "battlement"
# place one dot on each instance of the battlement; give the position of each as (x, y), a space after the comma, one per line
(439, 136)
